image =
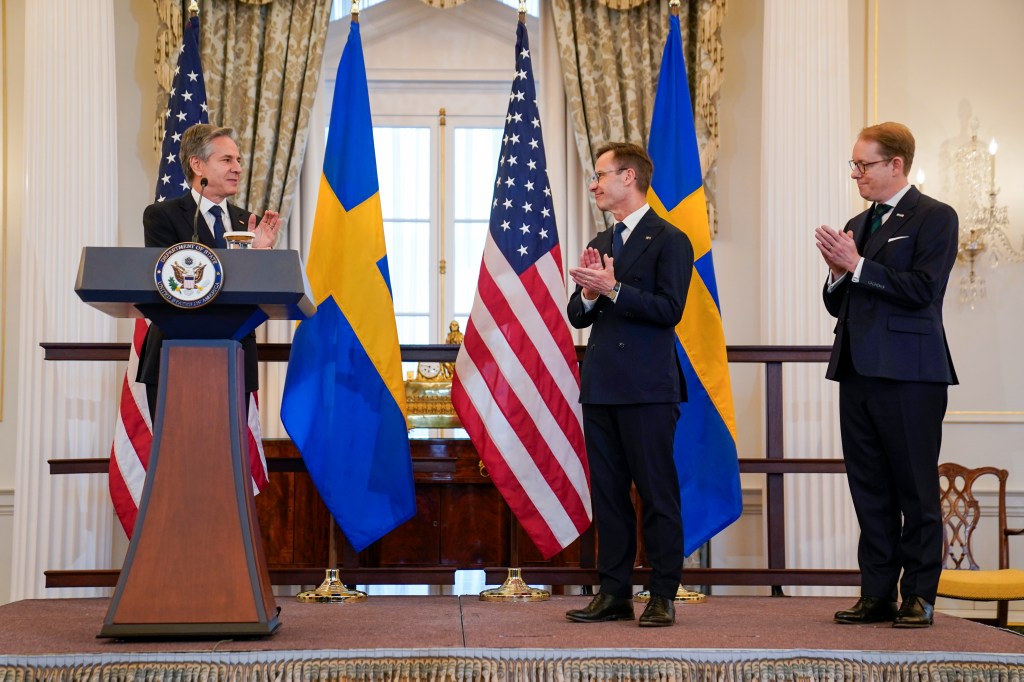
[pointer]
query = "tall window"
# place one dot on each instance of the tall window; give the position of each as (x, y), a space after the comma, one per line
(404, 171)
(475, 163)
(436, 214)
(436, 172)
(434, 249)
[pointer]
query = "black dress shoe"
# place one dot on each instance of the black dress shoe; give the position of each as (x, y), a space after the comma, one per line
(660, 612)
(914, 612)
(601, 608)
(867, 610)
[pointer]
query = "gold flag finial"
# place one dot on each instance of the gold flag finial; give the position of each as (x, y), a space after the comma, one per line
(522, 7)
(673, 7)
(355, 10)
(193, 9)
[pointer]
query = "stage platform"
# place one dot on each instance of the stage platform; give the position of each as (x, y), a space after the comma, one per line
(462, 638)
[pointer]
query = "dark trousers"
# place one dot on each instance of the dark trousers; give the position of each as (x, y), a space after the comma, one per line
(629, 444)
(152, 391)
(891, 433)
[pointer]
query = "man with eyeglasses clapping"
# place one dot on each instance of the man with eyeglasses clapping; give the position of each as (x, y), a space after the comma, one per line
(888, 271)
(631, 287)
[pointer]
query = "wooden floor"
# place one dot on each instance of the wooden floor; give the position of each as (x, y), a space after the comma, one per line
(724, 631)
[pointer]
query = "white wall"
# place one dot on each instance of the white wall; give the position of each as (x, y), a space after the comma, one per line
(935, 77)
(939, 63)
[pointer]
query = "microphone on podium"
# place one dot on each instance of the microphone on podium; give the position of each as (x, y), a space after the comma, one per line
(195, 218)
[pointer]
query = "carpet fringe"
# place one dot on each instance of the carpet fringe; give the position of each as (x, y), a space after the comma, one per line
(504, 669)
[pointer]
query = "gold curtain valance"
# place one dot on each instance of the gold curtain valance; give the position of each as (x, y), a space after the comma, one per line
(623, 4)
(611, 4)
(611, 59)
(443, 4)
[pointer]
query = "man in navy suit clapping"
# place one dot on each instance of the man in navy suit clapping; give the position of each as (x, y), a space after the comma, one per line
(631, 287)
(888, 271)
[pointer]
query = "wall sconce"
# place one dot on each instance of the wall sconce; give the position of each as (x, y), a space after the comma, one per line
(984, 226)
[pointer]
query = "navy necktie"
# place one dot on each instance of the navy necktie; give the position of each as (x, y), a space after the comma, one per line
(617, 239)
(218, 228)
(876, 216)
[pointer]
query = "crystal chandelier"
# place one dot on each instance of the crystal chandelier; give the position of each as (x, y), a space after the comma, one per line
(984, 227)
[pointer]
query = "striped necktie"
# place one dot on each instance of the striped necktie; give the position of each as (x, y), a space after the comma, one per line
(876, 216)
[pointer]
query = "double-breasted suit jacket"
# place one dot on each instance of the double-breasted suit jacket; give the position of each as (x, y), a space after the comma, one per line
(631, 387)
(631, 355)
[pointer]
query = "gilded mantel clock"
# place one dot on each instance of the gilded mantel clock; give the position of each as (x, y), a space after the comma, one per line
(428, 394)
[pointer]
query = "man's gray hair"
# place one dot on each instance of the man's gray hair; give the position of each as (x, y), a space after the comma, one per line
(197, 141)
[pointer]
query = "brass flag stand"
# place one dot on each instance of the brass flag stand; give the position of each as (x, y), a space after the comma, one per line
(683, 596)
(331, 590)
(515, 589)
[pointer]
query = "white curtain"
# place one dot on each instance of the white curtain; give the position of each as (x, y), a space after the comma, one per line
(806, 142)
(64, 409)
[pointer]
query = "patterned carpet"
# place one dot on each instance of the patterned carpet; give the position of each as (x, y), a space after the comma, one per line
(453, 638)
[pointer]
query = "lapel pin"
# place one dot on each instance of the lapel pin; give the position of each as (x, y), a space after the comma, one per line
(648, 237)
(899, 215)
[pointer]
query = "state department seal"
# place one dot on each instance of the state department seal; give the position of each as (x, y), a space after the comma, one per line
(188, 275)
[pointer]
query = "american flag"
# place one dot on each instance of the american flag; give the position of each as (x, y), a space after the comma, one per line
(516, 387)
(133, 432)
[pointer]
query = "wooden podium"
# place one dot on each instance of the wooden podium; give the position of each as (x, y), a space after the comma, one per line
(195, 565)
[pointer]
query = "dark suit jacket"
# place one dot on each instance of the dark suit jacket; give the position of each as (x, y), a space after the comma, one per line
(892, 317)
(165, 224)
(631, 355)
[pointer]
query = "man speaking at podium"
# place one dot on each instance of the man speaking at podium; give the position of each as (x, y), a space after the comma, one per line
(213, 167)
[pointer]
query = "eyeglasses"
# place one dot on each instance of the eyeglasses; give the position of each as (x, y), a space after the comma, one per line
(862, 167)
(596, 177)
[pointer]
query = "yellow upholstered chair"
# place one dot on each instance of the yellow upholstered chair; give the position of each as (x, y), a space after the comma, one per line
(961, 576)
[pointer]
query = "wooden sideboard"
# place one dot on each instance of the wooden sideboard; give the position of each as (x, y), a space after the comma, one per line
(462, 521)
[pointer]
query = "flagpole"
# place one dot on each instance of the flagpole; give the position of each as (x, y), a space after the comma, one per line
(683, 595)
(442, 246)
(515, 588)
(332, 590)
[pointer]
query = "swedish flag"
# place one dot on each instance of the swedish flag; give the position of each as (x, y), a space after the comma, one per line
(705, 445)
(344, 400)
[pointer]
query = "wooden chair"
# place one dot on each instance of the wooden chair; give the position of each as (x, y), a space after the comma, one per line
(961, 576)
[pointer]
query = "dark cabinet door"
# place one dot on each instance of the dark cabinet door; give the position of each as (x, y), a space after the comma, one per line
(461, 521)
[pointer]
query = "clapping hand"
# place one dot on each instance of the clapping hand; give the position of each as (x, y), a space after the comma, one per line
(266, 231)
(595, 274)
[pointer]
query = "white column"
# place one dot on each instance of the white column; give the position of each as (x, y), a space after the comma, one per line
(65, 409)
(806, 142)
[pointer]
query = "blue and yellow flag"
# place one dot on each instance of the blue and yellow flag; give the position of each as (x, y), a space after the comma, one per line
(705, 448)
(344, 400)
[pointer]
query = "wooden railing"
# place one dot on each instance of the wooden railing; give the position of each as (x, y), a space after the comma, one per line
(774, 466)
